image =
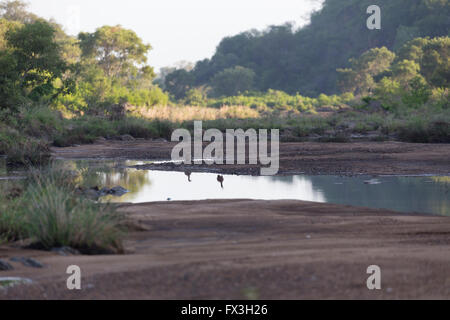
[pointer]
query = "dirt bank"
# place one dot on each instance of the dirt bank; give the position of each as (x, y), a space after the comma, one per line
(295, 158)
(254, 249)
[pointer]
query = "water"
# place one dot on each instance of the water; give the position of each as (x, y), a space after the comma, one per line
(426, 194)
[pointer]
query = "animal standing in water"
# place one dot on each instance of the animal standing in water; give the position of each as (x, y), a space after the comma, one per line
(220, 179)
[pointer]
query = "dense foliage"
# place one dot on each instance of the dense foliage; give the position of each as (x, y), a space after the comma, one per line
(306, 60)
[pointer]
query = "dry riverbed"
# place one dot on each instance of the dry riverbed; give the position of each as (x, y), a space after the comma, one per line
(245, 249)
(295, 158)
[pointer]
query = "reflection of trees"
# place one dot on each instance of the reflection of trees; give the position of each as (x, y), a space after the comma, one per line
(443, 180)
(3, 170)
(107, 174)
(283, 179)
(396, 193)
(131, 179)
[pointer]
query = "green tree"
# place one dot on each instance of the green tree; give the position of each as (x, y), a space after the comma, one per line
(179, 82)
(31, 64)
(360, 77)
(232, 81)
(118, 51)
(196, 97)
(404, 71)
(432, 55)
(306, 59)
(16, 10)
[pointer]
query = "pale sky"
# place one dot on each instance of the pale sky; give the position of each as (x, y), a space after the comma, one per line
(177, 29)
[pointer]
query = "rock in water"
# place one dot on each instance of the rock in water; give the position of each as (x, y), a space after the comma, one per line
(5, 266)
(66, 251)
(372, 181)
(126, 137)
(28, 262)
(118, 191)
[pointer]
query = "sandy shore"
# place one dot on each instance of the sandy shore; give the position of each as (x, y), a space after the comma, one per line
(241, 249)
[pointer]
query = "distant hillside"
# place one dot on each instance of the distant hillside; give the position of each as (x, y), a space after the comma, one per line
(306, 60)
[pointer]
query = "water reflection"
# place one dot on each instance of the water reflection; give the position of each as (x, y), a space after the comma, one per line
(404, 194)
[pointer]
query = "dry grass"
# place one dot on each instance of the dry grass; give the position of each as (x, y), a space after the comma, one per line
(189, 113)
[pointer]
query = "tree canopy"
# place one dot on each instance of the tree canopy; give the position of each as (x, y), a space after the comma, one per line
(116, 50)
(305, 60)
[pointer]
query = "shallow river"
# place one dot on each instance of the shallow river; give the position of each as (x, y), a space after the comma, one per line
(425, 194)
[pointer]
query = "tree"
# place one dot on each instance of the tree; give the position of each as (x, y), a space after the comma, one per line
(432, 56)
(195, 97)
(305, 60)
(32, 62)
(232, 81)
(179, 82)
(118, 51)
(404, 71)
(15, 10)
(360, 77)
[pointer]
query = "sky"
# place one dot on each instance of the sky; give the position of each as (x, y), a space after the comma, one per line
(177, 30)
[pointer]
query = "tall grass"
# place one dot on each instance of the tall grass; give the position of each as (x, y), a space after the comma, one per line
(12, 217)
(58, 219)
(188, 113)
(51, 215)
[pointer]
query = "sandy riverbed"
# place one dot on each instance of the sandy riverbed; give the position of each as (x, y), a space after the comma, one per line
(238, 249)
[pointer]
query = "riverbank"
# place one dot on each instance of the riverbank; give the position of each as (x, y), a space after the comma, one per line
(372, 158)
(243, 249)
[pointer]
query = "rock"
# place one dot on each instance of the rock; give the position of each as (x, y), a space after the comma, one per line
(160, 140)
(5, 266)
(92, 194)
(66, 251)
(372, 181)
(118, 191)
(28, 262)
(12, 281)
(126, 137)
(104, 192)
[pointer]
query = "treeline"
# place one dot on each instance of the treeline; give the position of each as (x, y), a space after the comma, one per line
(41, 65)
(306, 60)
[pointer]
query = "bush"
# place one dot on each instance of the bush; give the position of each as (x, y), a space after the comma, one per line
(138, 128)
(22, 150)
(420, 131)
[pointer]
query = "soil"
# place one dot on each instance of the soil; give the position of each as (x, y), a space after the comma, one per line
(374, 158)
(244, 249)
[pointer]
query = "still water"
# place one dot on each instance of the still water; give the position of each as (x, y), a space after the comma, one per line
(425, 194)
(405, 194)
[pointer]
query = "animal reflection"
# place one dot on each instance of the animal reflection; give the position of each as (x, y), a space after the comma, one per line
(220, 179)
(188, 174)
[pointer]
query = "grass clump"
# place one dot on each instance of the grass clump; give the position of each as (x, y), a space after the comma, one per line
(57, 219)
(22, 150)
(12, 218)
(50, 213)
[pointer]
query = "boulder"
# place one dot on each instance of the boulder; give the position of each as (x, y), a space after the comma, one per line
(5, 266)
(118, 191)
(28, 262)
